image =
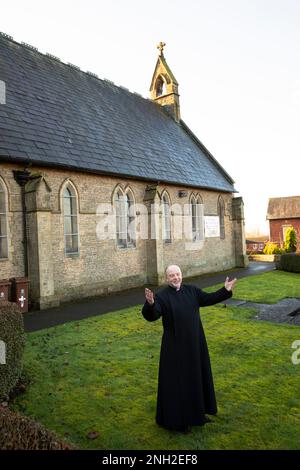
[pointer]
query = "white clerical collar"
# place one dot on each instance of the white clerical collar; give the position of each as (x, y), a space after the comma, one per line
(176, 289)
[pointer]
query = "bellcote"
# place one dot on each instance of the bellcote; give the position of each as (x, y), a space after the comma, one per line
(164, 86)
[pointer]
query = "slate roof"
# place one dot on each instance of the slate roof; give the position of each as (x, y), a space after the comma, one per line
(57, 115)
(284, 208)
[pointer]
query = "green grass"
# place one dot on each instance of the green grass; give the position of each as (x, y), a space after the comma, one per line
(269, 287)
(100, 374)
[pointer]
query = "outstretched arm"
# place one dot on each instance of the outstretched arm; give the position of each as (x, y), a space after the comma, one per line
(152, 309)
(213, 298)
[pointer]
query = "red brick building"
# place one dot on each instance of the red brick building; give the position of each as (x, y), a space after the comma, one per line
(283, 213)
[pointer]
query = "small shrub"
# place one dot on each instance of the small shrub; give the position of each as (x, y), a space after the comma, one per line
(272, 249)
(12, 336)
(290, 244)
(19, 432)
(290, 262)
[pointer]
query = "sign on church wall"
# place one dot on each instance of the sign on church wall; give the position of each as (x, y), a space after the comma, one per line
(212, 226)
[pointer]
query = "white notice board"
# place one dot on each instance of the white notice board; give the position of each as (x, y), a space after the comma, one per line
(212, 226)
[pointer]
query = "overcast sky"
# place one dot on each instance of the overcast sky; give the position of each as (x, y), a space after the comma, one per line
(237, 63)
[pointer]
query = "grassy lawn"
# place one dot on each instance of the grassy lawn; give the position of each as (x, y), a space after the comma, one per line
(100, 375)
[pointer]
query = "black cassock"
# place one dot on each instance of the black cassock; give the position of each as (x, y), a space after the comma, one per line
(185, 383)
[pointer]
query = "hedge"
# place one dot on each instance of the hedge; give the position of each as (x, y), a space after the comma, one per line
(12, 339)
(19, 432)
(290, 262)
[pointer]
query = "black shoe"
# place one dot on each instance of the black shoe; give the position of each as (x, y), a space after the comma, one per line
(206, 420)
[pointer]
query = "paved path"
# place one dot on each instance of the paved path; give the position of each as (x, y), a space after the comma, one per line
(78, 310)
(284, 311)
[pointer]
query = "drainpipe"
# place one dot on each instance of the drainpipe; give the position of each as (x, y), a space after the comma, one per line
(22, 178)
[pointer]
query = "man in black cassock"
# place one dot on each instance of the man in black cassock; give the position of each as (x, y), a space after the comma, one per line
(185, 383)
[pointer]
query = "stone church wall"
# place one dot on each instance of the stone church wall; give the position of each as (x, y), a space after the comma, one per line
(100, 267)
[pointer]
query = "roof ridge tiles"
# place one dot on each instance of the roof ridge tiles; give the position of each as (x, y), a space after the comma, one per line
(92, 74)
(69, 64)
(51, 56)
(29, 46)
(7, 36)
(73, 66)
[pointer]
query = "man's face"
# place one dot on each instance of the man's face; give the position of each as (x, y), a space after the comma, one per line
(174, 276)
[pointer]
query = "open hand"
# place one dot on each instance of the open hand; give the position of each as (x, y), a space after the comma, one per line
(229, 285)
(149, 296)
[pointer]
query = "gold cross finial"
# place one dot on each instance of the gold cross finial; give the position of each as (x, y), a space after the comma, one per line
(161, 46)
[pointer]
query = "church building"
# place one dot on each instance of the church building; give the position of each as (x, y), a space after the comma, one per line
(84, 164)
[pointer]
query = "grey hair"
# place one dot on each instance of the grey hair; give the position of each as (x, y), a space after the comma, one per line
(169, 265)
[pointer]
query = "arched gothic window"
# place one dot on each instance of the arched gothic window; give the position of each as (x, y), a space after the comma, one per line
(166, 219)
(221, 214)
(70, 220)
(125, 219)
(161, 88)
(3, 223)
(197, 219)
